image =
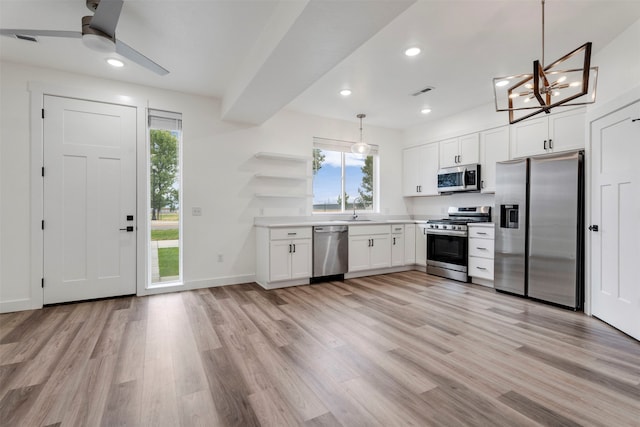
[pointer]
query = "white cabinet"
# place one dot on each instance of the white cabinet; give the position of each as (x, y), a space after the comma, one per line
(556, 132)
(409, 244)
(420, 170)
(481, 253)
(494, 147)
(369, 247)
(463, 150)
(397, 245)
(421, 244)
(283, 256)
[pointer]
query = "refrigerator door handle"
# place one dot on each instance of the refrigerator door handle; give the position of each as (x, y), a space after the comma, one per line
(594, 227)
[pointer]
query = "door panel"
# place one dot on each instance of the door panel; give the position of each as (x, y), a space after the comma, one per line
(616, 211)
(89, 189)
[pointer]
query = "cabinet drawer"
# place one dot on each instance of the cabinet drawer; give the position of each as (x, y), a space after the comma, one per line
(481, 267)
(480, 247)
(481, 232)
(291, 233)
(397, 229)
(368, 230)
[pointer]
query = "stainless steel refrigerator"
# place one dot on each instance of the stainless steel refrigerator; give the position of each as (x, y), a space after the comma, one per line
(539, 247)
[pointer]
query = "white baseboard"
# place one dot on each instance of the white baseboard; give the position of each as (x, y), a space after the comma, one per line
(18, 305)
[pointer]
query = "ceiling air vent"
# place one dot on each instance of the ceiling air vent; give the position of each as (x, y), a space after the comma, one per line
(26, 38)
(425, 90)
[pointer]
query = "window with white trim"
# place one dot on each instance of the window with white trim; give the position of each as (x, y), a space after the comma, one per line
(343, 181)
(165, 197)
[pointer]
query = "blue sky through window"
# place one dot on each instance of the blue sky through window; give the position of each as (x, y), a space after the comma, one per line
(327, 181)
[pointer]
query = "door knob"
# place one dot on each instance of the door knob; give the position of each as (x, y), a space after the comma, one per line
(128, 229)
(593, 228)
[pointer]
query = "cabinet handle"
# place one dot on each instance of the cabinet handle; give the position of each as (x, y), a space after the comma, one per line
(544, 145)
(291, 234)
(394, 241)
(481, 249)
(482, 183)
(481, 232)
(289, 248)
(480, 268)
(294, 248)
(372, 242)
(424, 231)
(550, 144)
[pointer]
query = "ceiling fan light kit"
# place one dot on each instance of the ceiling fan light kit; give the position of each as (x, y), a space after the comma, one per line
(98, 33)
(568, 81)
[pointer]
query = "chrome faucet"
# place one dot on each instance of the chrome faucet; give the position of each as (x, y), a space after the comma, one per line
(355, 215)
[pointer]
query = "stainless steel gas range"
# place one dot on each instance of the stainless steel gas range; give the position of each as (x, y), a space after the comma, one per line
(447, 247)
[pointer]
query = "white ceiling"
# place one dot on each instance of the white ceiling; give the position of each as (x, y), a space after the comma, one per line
(261, 56)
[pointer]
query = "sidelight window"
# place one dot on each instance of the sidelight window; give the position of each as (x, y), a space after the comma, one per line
(165, 197)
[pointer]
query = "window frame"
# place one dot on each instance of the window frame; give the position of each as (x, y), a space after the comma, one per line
(172, 121)
(344, 148)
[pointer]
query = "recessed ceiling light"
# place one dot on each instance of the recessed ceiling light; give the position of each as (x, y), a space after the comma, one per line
(345, 92)
(502, 83)
(425, 110)
(412, 51)
(115, 62)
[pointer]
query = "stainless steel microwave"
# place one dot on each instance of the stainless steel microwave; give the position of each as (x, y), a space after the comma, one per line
(459, 178)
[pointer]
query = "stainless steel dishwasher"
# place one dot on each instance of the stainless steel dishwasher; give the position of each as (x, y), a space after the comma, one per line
(330, 250)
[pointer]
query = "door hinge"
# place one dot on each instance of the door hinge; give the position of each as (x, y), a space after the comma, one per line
(42, 282)
(43, 171)
(43, 224)
(43, 113)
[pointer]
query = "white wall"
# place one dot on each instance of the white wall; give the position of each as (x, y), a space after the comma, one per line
(218, 164)
(618, 66)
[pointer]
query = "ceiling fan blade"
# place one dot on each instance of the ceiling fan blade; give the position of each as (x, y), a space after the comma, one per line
(135, 56)
(44, 33)
(106, 17)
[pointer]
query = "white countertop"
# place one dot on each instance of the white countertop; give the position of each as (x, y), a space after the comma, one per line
(305, 222)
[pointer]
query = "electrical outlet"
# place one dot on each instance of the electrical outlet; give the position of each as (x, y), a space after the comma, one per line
(220, 258)
(197, 211)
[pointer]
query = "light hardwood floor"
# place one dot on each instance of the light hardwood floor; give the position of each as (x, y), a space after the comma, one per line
(393, 350)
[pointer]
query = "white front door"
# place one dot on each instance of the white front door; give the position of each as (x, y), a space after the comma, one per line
(89, 190)
(615, 246)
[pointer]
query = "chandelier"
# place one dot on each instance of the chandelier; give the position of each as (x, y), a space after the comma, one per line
(568, 81)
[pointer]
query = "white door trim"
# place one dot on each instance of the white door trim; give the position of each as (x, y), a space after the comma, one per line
(593, 114)
(37, 91)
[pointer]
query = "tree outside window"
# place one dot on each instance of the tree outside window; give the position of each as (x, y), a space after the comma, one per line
(342, 181)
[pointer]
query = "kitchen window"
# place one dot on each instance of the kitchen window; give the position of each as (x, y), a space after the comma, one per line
(165, 197)
(342, 180)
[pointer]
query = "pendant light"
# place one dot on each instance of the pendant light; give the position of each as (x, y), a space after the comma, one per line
(568, 81)
(361, 148)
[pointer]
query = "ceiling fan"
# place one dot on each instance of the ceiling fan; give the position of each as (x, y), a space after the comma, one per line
(98, 33)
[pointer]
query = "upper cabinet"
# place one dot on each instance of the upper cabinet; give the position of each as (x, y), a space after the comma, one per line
(420, 170)
(463, 150)
(494, 147)
(548, 134)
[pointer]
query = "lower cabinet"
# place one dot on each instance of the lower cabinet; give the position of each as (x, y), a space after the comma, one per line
(409, 244)
(289, 259)
(481, 253)
(397, 245)
(421, 244)
(369, 247)
(283, 256)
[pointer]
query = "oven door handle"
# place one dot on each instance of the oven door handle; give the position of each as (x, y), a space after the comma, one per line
(464, 178)
(456, 233)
